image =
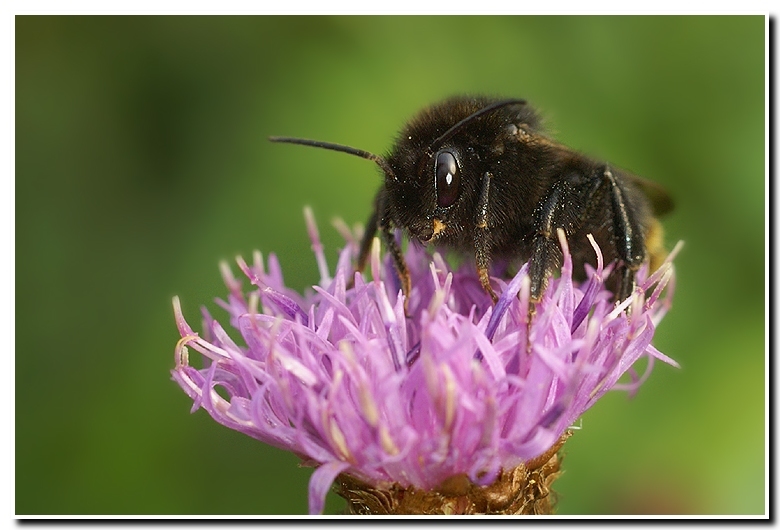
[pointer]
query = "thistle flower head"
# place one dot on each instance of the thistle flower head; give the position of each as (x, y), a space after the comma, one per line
(342, 377)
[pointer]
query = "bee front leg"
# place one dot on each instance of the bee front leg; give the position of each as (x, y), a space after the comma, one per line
(482, 238)
(379, 221)
(372, 225)
(388, 236)
(365, 243)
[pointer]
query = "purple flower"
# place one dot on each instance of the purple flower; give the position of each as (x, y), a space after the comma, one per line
(341, 377)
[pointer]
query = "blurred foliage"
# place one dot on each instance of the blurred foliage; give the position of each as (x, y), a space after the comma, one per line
(142, 160)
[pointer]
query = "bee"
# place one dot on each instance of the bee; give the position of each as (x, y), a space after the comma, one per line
(480, 176)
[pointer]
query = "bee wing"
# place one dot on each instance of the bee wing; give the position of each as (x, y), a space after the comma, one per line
(659, 198)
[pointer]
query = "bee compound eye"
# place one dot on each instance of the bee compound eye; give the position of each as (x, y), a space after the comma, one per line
(447, 179)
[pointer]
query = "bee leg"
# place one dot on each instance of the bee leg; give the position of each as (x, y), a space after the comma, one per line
(482, 238)
(365, 243)
(563, 207)
(378, 221)
(627, 284)
(388, 236)
(629, 238)
(545, 253)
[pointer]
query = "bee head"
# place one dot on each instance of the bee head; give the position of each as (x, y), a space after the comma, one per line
(440, 158)
(433, 172)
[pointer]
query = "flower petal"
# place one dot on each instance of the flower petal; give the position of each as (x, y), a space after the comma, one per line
(321, 481)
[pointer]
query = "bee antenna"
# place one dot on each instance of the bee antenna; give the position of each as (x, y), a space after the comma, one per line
(381, 162)
(490, 108)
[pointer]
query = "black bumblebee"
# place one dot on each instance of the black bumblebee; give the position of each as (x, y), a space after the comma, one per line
(479, 175)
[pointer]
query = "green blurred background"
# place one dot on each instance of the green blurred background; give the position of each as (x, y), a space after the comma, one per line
(142, 160)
